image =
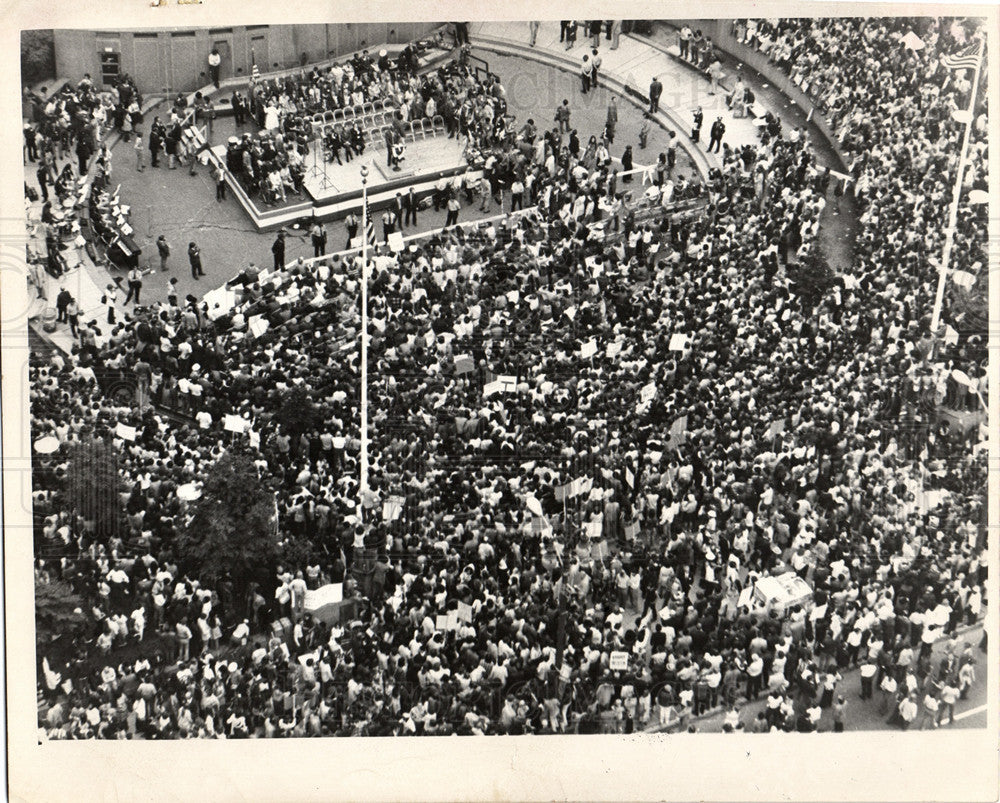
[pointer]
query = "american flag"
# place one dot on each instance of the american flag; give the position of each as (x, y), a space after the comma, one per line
(966, 60)
(369, 225)
(254, 72)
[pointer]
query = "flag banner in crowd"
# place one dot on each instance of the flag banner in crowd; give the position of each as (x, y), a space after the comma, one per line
(963, 279)
(588, 349)
(235, 423)
(464, 364)
(392, 508)
(630, 478)
(912, 41)
(533, 505)
(581, 486)
(967, 60)
(961, 377)
(125, 432)
(188, 492)
(599, 550)
(618, 661)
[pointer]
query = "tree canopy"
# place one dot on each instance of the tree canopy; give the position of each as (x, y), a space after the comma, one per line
(232, 530)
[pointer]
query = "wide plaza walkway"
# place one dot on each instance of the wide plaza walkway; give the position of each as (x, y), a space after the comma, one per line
(630, 68)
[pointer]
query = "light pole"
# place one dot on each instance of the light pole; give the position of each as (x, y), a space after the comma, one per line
(967, 118)
(363, 490)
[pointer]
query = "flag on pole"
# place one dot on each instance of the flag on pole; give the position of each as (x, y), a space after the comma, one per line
(967, 60)
(254, 72)
(369, 225)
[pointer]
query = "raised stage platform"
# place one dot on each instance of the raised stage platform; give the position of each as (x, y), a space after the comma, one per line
(436, 155)
(336, 190)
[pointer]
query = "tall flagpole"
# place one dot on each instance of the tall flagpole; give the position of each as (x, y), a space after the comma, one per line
(363, 491)
(949, 237)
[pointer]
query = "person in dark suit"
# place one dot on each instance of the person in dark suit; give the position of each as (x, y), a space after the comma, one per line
(655, 91)
(194, 257)
(410, 205)
(397, 208)
(716, 132)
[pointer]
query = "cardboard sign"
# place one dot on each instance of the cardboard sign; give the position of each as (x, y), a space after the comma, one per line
(588, 349)
(618, 661)
(490, 388)
(125, 432)
(630, 478)
(594, 528)
(632, 530)
(258, 324)
(235, 423)
(395, 242)
(776, 428)
(613, 350)
(464, 612)
(647, 393)
(678, 341)
(464, 364)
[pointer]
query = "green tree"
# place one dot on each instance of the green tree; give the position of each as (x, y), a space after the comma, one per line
(232, 530)
(58, 612)
(298, 412)
(92, 486)
(38, 56)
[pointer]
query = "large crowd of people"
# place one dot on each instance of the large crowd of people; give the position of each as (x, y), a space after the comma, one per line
(595, 425)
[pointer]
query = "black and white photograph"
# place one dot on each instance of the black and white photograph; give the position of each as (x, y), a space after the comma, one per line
(613, 378)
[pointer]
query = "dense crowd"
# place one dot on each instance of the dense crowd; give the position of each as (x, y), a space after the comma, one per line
(695, 405)
(471, 104)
